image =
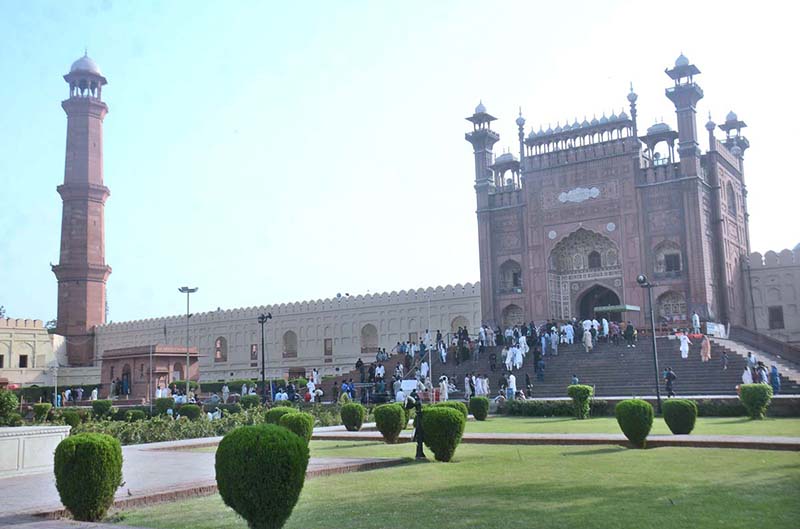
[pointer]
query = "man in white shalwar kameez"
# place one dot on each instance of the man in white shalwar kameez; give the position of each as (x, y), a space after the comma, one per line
(443, 352)
(570, 333)
(685, 343)
(443, 393)
(605, 328)
(518, 358)
(510, 357)
(425, 369)
(523, 345)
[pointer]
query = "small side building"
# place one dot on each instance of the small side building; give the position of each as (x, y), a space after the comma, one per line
(138, 371)
(775, 287)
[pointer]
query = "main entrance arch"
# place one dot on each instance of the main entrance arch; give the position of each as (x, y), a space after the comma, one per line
(597, 296)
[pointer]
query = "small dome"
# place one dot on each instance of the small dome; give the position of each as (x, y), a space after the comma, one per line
(604, 119)
(681, 60)
(531, 134)
(85, 64)
(658, 127)
(797, 248)
(480, 109)
(623, 116)
(736, 151)
(520, 121)
(731, 116)
(585, 123)
(549, 130)
(558, 128)
(632, 97)
(576, 125)
(594, 120)
(505, 157)
(710, 125)
(613, 117)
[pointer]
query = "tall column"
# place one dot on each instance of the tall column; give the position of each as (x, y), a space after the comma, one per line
(82, 271)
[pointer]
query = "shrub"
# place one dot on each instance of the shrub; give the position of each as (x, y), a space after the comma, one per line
(680, 415)
(163, 404)
(456, 405)
(40, 411)
(479, 408)
(716, 408)
(580, 395)
(300, 423)
(260, 472)
(14, 419)
(635, 418)
(249, 401)
(756, 399)
(353, 416)
(88, 470)
(8, 405)
(389, 420)
(135, 415)
(191, 411)
(101, 408)
(71, 418)
(443, 427)
(274, 415)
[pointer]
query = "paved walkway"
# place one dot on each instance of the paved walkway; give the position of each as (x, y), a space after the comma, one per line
(339, 433)
(154, 472)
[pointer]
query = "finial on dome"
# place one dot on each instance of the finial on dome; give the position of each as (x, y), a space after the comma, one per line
(710, 125)
(632, 97)
(520, 119)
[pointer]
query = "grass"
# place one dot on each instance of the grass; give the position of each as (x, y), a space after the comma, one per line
(529, 486)
(787, 427)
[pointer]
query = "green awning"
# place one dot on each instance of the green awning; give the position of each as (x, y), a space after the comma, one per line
(618, 308)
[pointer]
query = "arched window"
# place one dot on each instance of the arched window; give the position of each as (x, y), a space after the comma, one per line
(459, 321)
(672, 306)
(221, 349)
(594, 260)
(513, 315)
(369, 339)
(289, 344)
(731, 199)
(669, 258)
(510, 276)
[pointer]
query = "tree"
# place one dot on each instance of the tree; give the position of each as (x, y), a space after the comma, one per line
(2, 311)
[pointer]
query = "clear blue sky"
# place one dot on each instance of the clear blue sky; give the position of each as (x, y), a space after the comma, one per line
(270, 152)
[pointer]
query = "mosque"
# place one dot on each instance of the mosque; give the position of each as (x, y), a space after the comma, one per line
(564, 227)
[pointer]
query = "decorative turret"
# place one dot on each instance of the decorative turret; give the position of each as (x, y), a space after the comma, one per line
(734, 140)
(482, 139)
(632, 97)
(684, 95)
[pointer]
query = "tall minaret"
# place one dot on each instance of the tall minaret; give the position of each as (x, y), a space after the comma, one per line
(483, 139)
(82, 271)
(685, 94)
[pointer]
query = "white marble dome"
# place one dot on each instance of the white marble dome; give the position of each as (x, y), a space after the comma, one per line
(658, 127)
(85, 64)
(681, 60)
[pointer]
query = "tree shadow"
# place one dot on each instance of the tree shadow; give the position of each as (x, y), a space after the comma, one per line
(596, 451)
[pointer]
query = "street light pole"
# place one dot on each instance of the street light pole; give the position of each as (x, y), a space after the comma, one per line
(644, 283)
(187, 291)
(262, 319)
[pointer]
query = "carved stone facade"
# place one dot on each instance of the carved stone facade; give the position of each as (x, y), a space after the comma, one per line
(592, 205)
(775, 280)
(328, 334)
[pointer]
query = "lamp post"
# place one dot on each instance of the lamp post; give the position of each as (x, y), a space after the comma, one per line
(187, 291)
(644, 283)
(262, 319)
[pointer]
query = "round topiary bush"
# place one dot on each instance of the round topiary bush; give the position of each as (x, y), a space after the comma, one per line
(353, 415)
(457, 405)
(88, 470)
(635, 418)
(135, 415)
(40, 411)
(260, 473)
(756, 399)
(71, 418)
(680, 415)
(163, 404)
(274, 415)
(479, 408)
(249, 401)
(101, 408)
(389, 421)
(300, 423)
(443, 427)
(580, 395)
(191, 411)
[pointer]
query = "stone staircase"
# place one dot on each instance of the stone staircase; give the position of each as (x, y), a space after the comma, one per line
(615, 370)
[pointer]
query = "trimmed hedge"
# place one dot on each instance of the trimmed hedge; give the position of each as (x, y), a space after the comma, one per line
(479, 408)
(715, 408)
(250, 401)
(163, 404)
(552, 408)
(299, 423)
(14, 419)
(580, 395)
(635, 418)
(274, 415)
(389, 421)
(8, 405)
(101, 408)
(228, 408)
(40, 411)
(88, 469)
(456, 405)
(190, 411)
(756, 399)
(680, 415)
(260, 472)
(443, 427)
(135, 415)
(71, 417)
(353, 416)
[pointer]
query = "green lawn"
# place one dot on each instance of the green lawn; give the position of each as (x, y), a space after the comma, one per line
(530, 486)
(704, 426)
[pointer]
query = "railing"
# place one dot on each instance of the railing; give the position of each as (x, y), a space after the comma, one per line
(766, 343)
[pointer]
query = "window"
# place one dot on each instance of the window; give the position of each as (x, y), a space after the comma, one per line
(594, 260)
(221, 349)
(516, 279)
(2, 361)
(776, 317)
(23, 359)
(141, 370)
(328, 350)
(112, 372)
(672, 262)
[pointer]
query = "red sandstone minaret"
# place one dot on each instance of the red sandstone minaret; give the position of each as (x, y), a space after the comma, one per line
(82, 271)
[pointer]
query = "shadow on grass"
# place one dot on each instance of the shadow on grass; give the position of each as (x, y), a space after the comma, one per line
(341, 446)
(596, 451)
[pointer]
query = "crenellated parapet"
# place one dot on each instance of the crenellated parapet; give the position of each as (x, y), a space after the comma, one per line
(772, 259)
(20, 323)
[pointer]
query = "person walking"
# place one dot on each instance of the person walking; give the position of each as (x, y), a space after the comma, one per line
(724, 360)
(685, 343)
(775, 380)
(588, 344)
(628, 334)
(696, 323)
(669, 378)
(705, 349)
